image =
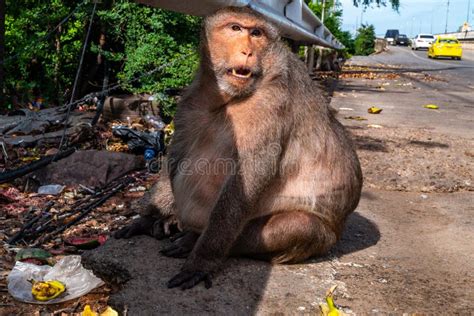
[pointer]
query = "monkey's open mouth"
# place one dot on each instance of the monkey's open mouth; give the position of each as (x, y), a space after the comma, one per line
(243, 73)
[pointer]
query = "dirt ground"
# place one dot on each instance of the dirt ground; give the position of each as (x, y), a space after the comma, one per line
(408, 248)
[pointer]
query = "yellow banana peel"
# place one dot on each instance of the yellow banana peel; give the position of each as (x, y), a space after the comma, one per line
(109, 311)
(374, 110)
(47, 290)
(431, 106)
(88, 311)
(329, 308)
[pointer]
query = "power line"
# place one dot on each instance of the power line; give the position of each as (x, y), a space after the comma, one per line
(447, 15)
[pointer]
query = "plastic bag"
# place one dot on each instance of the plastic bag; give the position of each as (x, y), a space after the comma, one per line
(51, 189)
(78, 280)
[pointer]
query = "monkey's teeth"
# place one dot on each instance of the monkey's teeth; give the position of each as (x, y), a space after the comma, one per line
(246, 75)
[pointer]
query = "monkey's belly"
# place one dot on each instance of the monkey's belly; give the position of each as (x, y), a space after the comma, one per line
(195, 196)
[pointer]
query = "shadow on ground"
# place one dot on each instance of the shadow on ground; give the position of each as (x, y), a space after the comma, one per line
(137, 266)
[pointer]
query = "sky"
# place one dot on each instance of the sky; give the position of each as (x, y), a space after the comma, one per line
(414, 16)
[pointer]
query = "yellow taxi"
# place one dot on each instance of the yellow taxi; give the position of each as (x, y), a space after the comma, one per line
(445, 47)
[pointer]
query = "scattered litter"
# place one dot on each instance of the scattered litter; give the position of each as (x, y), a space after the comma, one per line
(68, 271)
(431, 106)
(47, 290)
(51, 189)
(346, 109)
(138, 189)
(329, 308)
(374, 110)
(34, 256)
(424, 196)
(356, 118)
(89, 312)
(374, 126)
(109, 312)
(86, 242)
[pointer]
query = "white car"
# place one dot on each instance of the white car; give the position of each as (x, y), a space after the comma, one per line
(422, 41)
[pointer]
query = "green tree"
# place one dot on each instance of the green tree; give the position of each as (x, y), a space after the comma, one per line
(151, 38)
(40, 57)
(365, 40)
(43, 48)
(394, 3)
(333, 21)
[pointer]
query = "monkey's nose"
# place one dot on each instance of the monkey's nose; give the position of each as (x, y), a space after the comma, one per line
(247, 53)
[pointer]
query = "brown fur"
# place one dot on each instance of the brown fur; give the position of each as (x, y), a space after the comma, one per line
(258, 166)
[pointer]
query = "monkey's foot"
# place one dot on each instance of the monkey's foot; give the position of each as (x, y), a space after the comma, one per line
(188, 279)
(141, 226)
(149, 225)
(181, 246)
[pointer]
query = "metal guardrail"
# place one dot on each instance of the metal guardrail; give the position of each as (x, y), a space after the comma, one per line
(293, 17)
(461, 36)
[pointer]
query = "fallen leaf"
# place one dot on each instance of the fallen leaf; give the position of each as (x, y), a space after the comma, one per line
(374, 126)
(356, 118)
(374, 110)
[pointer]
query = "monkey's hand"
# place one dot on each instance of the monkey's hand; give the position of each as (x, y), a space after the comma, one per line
(158, 228)
(193, 272)
(182, 245)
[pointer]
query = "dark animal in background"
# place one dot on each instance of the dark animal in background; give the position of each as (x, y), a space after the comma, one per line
(258, 165)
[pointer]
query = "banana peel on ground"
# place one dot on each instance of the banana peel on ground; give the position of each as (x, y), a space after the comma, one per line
(356, 118)
(89, 312)
(431, 106)
(329, 308)
(374, 110)
(47, 290)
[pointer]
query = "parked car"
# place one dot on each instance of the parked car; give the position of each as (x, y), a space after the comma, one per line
(445, 47)
(390, 36)
(402, 39)
(422, 41)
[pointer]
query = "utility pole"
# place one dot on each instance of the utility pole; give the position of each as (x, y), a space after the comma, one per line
(468, 10)
(447, 15)
(2, 52)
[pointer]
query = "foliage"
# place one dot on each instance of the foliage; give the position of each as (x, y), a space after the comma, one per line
(365, 40)
(365, 3)
(41, 59)
(333, 21)
(153, 38)
(36, 59)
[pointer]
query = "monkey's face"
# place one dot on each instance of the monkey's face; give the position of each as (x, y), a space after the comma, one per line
(237, 42)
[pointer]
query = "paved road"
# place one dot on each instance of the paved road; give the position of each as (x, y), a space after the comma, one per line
(404, 56)
(446, 83)
(418, 171)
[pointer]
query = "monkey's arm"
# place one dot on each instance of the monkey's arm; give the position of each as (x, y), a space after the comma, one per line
(256, 167)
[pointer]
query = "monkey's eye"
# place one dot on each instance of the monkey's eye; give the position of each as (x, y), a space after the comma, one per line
(236, 28)
(256, 33)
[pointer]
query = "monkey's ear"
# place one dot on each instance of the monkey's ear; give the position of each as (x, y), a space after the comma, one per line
(272, 32)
